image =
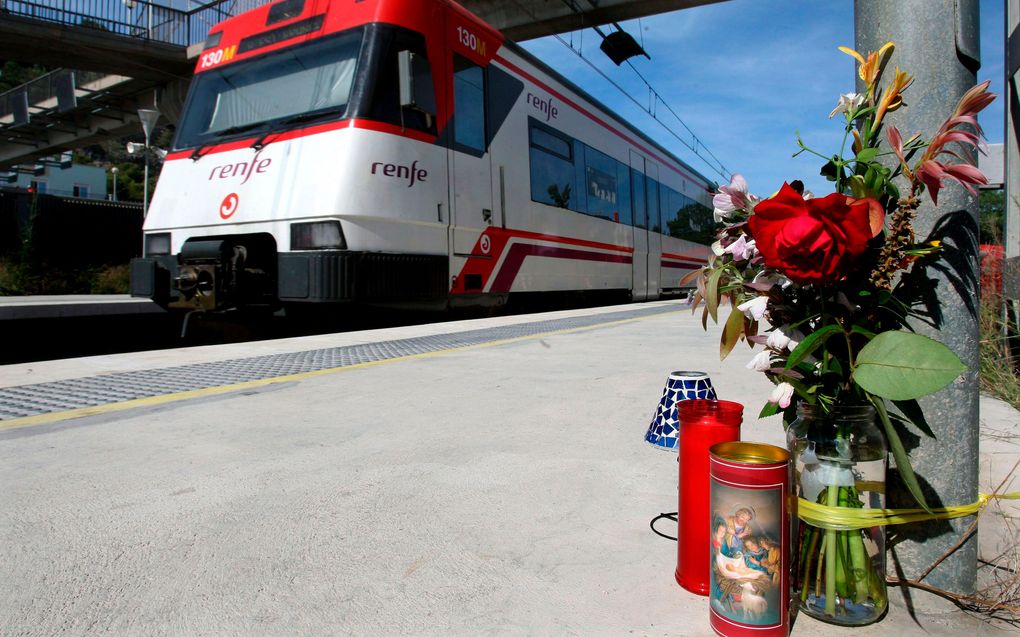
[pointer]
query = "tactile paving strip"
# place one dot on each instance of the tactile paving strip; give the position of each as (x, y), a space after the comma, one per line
(64, 395)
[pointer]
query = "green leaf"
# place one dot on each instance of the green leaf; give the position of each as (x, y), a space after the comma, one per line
(810, 344)
(866, 155)
(858, 187)
(829, 171)
(770, 409)
(712, 294)
(857, 329)
(899, 453)
(912, 413)
(902, 365)
(731, 333)
(691, 276)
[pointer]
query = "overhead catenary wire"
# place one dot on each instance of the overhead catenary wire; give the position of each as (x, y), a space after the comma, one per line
(693, 144)
(711, 160)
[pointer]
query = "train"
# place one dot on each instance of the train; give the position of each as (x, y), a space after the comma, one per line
(404, 152)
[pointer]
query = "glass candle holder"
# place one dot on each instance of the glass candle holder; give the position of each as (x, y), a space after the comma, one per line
(703, 423)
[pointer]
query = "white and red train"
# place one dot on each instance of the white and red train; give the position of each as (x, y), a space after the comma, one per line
(402, 151)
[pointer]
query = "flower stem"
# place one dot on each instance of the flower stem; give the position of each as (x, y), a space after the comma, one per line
(860, 563)
(832, 499)
(804, 573)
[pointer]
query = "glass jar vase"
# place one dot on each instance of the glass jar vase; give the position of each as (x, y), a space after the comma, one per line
(839, 460)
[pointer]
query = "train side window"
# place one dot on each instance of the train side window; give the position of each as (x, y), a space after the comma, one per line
(653, 204)
(380, 79)
(469, 104)
(551, 143)
(552, 167)
(579, 201)
(637, 179)
(623, 193)
(600, 176)
(687, 219)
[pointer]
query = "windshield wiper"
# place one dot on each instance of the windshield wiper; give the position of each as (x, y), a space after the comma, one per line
(197, 153)
(261, 143)
(232, 130)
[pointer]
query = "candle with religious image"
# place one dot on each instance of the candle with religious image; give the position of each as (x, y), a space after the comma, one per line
(703, 423)
(750, 537)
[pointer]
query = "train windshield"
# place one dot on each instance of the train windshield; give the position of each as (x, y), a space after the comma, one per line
(276, 91)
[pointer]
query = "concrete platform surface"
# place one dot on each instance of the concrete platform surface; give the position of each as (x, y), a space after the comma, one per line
(499, 489)
(73, 305)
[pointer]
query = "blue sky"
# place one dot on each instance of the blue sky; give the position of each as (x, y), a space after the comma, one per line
(744, 75)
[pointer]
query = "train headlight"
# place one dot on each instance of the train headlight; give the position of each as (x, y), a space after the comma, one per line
(157, 244)
(317, 235)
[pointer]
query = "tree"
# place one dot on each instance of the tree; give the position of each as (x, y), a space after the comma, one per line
(992, 216)
(13, 74)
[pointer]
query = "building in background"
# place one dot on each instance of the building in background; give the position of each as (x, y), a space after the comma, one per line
(80, 180)
(992, 164)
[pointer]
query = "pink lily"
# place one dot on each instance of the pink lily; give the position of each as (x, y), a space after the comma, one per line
(755, 308)
(732, 198)
(782, 395)
(932, 172)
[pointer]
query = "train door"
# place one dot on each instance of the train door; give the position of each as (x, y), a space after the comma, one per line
(639, 201)
(654, 230)
(471, 168)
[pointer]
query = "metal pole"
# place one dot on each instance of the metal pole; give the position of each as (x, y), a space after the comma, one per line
(1011, 151)
(937, 42)
(145, 188)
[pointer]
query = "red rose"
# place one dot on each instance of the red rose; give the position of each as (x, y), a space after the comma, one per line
(814, 241)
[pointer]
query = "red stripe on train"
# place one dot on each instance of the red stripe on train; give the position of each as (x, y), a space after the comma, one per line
(361, 124)
(520, 251)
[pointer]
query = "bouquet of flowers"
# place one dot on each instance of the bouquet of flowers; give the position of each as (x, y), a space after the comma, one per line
(829, 286)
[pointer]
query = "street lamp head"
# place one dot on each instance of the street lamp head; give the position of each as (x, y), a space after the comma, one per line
(148, 118)
(134, 147)
(115, 170)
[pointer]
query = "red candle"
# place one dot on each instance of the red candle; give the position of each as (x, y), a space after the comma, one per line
(703, 423)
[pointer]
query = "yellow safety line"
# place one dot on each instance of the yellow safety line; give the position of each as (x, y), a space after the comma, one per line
(58, 416)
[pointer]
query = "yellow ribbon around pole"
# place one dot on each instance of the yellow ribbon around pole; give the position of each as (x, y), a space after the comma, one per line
(846, 519)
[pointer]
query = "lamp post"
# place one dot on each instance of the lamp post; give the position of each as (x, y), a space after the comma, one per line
(148, 118)
(115, 170)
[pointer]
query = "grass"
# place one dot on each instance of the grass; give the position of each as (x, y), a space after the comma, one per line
(998, 369)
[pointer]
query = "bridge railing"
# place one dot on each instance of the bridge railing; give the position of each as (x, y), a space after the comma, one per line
(133, 18)
(44, 88)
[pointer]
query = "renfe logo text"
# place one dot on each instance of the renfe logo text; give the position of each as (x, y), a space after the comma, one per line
(544, 106)
(411, 173)
(241, 169)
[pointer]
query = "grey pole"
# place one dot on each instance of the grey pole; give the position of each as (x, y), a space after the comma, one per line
(1012, 149)
(148, 117)
(937, 42)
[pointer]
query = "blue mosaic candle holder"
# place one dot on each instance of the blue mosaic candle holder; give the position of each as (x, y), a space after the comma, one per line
(664, 431)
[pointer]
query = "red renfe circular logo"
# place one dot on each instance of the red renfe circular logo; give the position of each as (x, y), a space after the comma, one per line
(229, 206)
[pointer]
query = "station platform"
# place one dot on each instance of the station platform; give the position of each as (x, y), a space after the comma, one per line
(463, 478)
(73, 306)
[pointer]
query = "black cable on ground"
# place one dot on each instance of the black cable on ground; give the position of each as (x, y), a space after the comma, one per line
(669, 516)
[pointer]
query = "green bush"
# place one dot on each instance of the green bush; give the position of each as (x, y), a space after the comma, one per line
(30, 279)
